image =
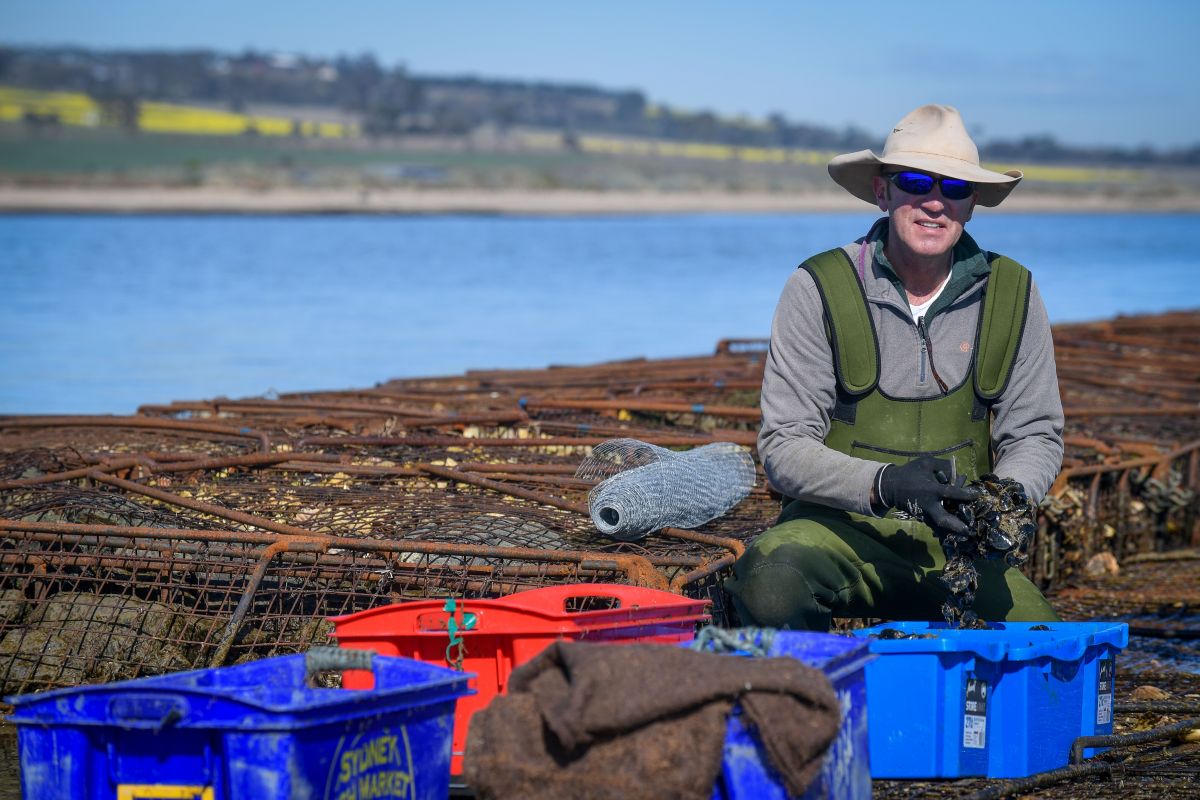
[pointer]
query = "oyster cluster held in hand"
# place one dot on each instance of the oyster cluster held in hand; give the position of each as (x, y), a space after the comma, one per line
(1001, 523)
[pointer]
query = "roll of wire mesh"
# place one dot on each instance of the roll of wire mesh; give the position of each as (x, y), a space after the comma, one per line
(645, 488)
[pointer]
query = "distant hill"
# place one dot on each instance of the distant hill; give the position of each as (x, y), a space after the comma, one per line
(364, 97)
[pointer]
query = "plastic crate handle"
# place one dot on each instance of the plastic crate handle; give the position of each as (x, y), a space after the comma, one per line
(554, 599)
(321, 659)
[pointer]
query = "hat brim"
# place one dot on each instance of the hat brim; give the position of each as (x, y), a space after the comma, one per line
(854, 171)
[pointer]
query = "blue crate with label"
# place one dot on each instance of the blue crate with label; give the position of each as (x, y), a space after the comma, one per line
(260, 730)
(1002, 703)
(845, 775)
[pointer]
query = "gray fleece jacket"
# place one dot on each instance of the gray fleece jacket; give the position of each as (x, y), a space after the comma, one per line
(798, 390)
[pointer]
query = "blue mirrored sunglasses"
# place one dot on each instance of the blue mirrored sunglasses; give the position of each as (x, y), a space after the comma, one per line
(918, 183)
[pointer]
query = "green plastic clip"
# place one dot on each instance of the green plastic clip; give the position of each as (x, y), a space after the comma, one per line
(459, 620)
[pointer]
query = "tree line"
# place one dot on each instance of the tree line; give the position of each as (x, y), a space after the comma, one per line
(391, 101)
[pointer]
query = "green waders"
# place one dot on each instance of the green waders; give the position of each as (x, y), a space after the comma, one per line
(817, 562)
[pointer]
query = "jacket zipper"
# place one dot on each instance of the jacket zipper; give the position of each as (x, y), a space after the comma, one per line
(924, 351)
(927, 350)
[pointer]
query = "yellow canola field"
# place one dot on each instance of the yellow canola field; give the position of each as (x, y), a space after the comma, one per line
(701, 150)
(780, 155)
(1070, 174)
(71, 108)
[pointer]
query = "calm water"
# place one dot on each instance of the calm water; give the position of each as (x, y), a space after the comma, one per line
(101, 314)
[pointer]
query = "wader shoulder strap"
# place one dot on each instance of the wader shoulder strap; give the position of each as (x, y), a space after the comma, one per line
(1001, 325)
(851, 329)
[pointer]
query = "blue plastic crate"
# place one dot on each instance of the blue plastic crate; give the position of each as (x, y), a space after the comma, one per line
(846, 775)
(252, 731)
(1001, 703)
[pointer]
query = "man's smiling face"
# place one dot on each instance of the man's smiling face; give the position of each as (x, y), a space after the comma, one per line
(925, 226)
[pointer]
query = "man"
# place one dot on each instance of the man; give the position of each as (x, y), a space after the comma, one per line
(896, 363)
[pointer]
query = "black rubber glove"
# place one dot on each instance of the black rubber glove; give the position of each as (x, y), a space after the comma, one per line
(919, 487)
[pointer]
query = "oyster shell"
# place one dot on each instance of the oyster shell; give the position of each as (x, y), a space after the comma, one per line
(1000, 523)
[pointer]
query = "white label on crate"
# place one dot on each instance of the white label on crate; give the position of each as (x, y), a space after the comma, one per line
(1104, 691)
(1104, 709)
(975, 714)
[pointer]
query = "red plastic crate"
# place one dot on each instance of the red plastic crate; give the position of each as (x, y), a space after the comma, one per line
(512, 630)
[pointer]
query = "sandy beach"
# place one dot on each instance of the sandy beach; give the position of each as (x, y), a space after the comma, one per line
(223, 200)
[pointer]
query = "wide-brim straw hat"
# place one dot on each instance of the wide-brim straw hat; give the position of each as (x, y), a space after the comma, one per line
(930, 139)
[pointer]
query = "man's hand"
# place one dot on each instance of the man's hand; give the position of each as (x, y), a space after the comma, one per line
(919, 487)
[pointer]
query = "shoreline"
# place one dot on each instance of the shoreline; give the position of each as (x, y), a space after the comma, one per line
(522, 202)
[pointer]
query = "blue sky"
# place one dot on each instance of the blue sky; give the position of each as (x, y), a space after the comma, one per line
(1098, 72)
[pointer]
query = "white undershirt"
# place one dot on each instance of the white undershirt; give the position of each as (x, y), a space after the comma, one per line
(919, 309)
